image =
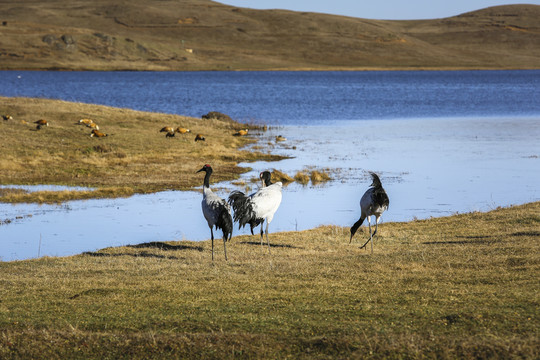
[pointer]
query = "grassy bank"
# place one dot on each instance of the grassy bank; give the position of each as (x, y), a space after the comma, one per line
(464, 286)
(134, 158)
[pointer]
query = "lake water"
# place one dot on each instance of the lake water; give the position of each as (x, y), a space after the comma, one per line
(295, 98)
(443, 142)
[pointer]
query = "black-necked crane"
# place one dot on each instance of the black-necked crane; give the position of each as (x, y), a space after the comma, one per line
(182, 130)
(373, 203)
(40, 123)
(97, 133)
(216, 211)
(258, 207)
(199, 137)
(242, 132)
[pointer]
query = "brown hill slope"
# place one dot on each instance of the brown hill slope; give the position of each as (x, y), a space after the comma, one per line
(202, 34)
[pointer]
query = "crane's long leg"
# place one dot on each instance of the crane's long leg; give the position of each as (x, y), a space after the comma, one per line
(370, 236)
(268, 241)
(262, 232)
(376, 224)
(212, 233)
(225, 246)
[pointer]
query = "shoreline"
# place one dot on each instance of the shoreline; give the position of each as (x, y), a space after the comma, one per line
(244, 234)
(295, 69)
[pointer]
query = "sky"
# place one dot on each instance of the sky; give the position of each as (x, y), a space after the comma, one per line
(379, 9)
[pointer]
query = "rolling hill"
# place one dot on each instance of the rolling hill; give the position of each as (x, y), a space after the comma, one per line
(207, 35)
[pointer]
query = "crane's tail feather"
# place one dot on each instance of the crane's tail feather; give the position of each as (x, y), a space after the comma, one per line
(376, 180)
(243, 209)
(356, 226)
(225, 223)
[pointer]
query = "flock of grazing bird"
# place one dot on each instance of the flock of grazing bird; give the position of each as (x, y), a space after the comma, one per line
(41, 123)
(92, 125)
(169, 131)
(260, 207)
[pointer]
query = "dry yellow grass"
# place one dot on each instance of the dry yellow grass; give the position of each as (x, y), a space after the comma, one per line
(301, 178)
(134, 156)
(156, 35)
(319, 176)
(278, 175)
(464, 286)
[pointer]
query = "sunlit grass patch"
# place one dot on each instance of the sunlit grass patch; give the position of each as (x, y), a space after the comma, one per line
(463, 286)
(65, 195)
(278, 175)
(134, 155)
(301, 178)
(317, 176)
(11, 192)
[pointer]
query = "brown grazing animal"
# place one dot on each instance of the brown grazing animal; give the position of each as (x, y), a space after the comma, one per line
(7, 117)
(242, 132)
(182, 130)
(199, 137)
(93, 125)
(170, 134)
(41, 123)
(97, 133)
(86, 121)
(167, 129)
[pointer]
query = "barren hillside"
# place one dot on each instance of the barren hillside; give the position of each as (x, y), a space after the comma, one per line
(203, 34)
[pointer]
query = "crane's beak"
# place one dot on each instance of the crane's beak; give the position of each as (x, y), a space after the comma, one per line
(203, 169)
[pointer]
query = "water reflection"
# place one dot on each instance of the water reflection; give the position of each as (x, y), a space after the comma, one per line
(429, 167)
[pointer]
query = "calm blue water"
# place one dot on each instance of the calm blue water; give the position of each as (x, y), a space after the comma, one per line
(442, 143)
(293, 97)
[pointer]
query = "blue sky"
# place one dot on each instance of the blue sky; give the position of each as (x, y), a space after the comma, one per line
(379, 9)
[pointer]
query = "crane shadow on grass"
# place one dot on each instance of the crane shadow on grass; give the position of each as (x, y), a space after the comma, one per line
(149, 245)
(137, 255)
(526, 233)
(164, 246)
(271, 245)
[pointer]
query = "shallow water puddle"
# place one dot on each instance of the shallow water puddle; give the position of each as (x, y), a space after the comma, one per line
(429, 167)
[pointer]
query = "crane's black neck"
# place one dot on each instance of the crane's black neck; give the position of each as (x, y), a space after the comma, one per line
(266, 176)
(207, 178)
